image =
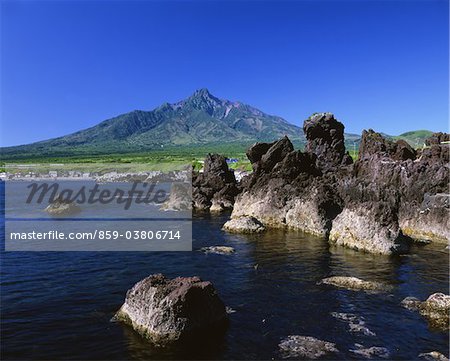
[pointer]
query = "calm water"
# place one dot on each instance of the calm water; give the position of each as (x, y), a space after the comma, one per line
(57, 305)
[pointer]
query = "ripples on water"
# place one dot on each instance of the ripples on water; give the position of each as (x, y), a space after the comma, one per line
(58, 305)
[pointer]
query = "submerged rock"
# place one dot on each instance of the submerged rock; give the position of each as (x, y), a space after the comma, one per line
(306, 347)
(356, 324)
(244, 225)
(411, 303)
(356, 284)
(218, 249)
(62, 207)
(166, 310)
(433, 356)
(371, 352)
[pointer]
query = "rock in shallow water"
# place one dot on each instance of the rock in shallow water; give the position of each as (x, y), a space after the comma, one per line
(435, 309)
(218, 249)
(61, 207)
(356, 324)
(371, 352)
(244, 225)
(433, 356)
(356, 284)
(166, 310)
(411, 303)
(306, 347)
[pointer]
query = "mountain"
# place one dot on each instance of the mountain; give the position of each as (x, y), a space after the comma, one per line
(200, 119)
(415, 138)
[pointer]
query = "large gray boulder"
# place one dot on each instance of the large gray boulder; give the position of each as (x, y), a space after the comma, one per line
(167, 310)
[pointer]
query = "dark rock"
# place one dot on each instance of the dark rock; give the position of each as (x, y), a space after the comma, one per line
(403, 151)
(165, 310)
(275, 154)
(388, 196)
(216, 187)
(257, 150)
(373, 143)
(437, 138)
(325, 137)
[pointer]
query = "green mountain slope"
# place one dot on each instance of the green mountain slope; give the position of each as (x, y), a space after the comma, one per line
(415, 138)
(200, 119)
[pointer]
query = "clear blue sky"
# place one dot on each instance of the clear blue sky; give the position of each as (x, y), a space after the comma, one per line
(69, 65)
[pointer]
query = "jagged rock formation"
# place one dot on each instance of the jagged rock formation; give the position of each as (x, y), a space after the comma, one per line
(388, 194)
(165, 310)
(326, 140)
(216, 187)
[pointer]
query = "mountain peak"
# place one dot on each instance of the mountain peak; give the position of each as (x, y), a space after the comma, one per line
(202, 92)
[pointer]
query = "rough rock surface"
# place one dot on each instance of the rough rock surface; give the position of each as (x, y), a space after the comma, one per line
(356, 324)
(61, 207)
(433, 356)
(216, 187)
(244, 225)
(435, 309)
(180, 198)
(218, 249)
(411, 303)
(371, 352)
(326, 140)
(306, 347)
(354, 283)
(166, 310)
(390, 195)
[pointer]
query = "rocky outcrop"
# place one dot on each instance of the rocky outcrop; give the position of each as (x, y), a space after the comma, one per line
(216, 187)
(435, 309)
(326, 140)
(390, 195)
(306, 347)
(167, 310)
